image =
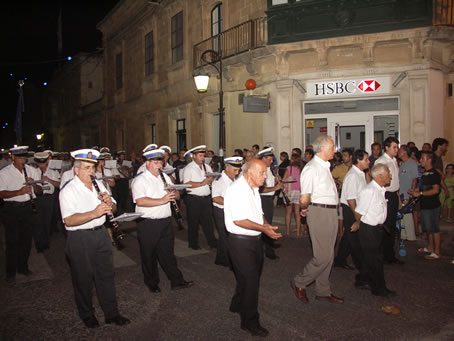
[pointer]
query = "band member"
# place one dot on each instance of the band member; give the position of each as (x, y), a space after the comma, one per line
(231, 171)
(198, 200)
(88, 245)
(19, 211)
(319, 201)
(45, 202)
(122, 182)
(154, 229)
(245, 223)
(266, 194)
(104, 174)
(166, 167)
(370, 214)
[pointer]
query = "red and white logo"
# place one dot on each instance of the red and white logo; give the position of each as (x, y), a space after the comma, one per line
(368, 86)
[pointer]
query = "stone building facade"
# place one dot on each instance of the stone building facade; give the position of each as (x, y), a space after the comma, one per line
(356, 87)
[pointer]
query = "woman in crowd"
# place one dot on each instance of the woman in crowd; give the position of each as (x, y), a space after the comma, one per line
(293, 191)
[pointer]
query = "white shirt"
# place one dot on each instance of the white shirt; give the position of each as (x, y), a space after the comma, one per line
(75, 197)
(354, 182)
(51, 174)
(270, 181)
(393, 169)
(12, 180)
(316, 180)
(192, 172)
(99, 176)
(67, 176)
(242, 202)
(219, 187)
(146, 185)
(371, 204)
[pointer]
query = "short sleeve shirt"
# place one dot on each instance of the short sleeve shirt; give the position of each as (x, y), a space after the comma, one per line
(371, 204)
(146, 185)
(219, 187)
(192, 172)
(428, 180)
(407, 172)
(52, 174)
(241, 202)
(354, 182)
(11, 179)
(270, 181)
(393, 169)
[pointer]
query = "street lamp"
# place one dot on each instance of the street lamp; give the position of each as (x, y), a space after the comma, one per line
(201, 79)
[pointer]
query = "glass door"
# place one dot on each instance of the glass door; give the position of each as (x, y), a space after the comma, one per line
(350, 131)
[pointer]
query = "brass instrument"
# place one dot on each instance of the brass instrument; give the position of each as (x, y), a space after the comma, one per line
(117, 234)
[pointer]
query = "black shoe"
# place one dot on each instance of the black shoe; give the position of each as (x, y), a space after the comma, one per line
(390, 293)
(195, 247)
(25, 272)
(91, 322)
(182, 285)
(256, 330)
(154, 289)
(394, 261)
(118, 320)
(272, 256)
(344, 266)
(362, 285)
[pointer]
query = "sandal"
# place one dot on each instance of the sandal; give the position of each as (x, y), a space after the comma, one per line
(432, 256)
(423, 250)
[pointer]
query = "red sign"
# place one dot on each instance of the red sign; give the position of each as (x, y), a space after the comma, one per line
(369, 86)
(323, 129)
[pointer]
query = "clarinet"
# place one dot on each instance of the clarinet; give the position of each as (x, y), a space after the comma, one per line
(176, 210)
(284, 195)
(117, 234)
(34, 210)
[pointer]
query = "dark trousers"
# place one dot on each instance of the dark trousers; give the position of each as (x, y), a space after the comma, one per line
(156, 242)
(349, 244)
(122, 187)
(246, 255)
(268, 212)
(222, 257)
(391, 218)
(200, 211)
(41, 229)
(18, 221)
(90, 258)
(371, 240)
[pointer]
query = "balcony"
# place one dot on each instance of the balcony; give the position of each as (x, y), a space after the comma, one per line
(244, 37)
(443, 13)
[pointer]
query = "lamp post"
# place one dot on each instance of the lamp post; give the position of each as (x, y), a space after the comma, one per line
(201, 79)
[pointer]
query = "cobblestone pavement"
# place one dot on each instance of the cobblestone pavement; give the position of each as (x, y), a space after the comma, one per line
(42, 307)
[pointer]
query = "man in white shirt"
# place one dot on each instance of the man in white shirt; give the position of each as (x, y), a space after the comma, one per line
(370, 213)
(391, 147)
(154, 228)
(267, 191)
(219, 187)
(245, 223)
(19, 212)
(353, 183)
(88, 245)
(45, 202)
(319, 200)
(198, 199)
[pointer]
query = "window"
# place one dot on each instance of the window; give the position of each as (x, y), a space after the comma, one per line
(153, 133)
(216, 26)
(177, 37)
(149, 54)
(181, 134)
(119, 71)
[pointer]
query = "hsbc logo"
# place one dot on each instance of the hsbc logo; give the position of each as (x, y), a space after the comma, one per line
(349, 87)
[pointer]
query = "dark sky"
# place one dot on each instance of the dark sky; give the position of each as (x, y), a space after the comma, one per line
(31, 45)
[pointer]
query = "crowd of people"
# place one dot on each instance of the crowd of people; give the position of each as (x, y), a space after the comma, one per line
(347, 196)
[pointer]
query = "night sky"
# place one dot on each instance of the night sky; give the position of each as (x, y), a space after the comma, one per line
(31, 45)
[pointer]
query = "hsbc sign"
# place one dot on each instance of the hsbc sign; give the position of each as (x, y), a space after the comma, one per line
(353, 87)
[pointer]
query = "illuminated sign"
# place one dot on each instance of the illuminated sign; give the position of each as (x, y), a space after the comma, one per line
(350, 87)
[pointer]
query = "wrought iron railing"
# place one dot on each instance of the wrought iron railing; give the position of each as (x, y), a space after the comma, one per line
(443, 12)
(238, 39)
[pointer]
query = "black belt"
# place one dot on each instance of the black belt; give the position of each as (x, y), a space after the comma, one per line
(323, 205)
(199, 196)
(17, 203)
(242, 236)
(96, 228)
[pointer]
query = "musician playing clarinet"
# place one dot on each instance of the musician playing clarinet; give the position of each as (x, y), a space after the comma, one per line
(272, 184)
(88, 245)
(154, 229)
(18, 214)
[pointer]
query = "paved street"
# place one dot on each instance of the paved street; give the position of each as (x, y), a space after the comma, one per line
(42, 307)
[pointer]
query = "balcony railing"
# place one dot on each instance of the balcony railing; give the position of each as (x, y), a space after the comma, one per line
(443, 12)
(238, 39)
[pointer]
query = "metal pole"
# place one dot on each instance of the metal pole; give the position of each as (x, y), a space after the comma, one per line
(221, 115)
